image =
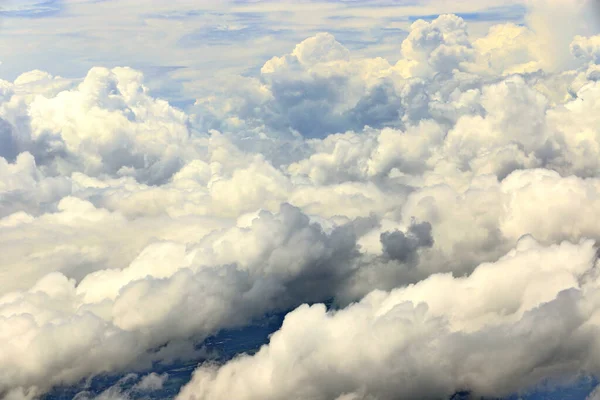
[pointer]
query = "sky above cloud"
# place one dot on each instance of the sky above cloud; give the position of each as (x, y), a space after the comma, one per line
(184, 46)
(411, 185)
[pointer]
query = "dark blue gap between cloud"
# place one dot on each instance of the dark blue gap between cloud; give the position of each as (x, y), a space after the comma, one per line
(231, 342)
(226, 344)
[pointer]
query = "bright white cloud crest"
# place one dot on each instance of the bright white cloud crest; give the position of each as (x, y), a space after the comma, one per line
(446, 203)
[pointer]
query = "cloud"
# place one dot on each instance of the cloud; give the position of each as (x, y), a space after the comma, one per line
(126, 389)
(152, 381)
(131, 230)
(112, 317)
(556, 22)
(587, 48)
(594, 395)
(525, 317)
(319, 89)
(401, 247)
(100, 34)
(105, 125)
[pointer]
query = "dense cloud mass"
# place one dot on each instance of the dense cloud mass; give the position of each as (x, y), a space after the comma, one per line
(433, 338)
(444, 205)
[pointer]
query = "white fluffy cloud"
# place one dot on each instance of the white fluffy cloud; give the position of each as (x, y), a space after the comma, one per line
(530, 315)
(587, 48)
(107, 124)
(131, 230)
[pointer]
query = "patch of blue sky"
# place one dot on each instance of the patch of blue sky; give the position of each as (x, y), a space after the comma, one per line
(578, 390)
(250, 2)
(191, 14)
(152, 71)
(177, 14)
(342, 18)
(249, 16)
(363, 39)
(350, 37)
(31, 9)
(500, 14)
(226, 34)
(377, 3)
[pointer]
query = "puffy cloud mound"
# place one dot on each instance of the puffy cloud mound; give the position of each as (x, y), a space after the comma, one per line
(587, 48)
(131, 230)
(532, 314)
(170, 292)
(107, 124)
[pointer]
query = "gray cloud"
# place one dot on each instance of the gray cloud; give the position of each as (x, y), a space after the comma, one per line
(402, 247)
(433, 339)
(130, 229)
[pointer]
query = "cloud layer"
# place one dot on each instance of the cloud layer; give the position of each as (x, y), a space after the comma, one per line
(434, 338)
(444, 203)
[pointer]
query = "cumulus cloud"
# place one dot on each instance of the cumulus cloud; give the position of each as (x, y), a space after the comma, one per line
(399, 246)
(587, 48)
(131, 230)
(113, 316)
(107, 124)
(556, 22)
(319, 89)
(432, 339)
